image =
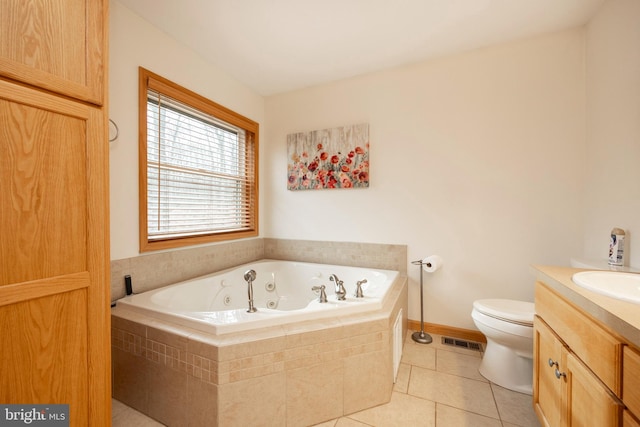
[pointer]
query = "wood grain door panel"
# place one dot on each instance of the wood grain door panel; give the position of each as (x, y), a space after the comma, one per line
(47, 360)
(55, 44)
(43, 208)
(54, 254)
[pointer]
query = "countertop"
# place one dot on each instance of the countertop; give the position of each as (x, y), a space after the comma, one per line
(620, 316)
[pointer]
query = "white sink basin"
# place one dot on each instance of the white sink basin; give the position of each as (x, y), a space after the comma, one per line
(622, 286)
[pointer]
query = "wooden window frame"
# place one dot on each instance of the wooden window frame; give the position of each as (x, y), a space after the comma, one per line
(149, 80)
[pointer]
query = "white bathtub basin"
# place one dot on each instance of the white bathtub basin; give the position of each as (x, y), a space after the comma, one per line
(622, 286)
(217, 303)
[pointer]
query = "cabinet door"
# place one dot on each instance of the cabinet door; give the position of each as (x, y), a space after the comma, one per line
(58, 45)
(589, 401)
(631, 379)
(547, 389)
(54, 293)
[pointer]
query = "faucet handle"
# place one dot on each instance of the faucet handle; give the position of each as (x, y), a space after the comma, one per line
(359, 284)
(323, 293)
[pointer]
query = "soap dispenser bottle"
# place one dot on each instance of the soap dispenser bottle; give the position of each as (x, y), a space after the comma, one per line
(616, 247)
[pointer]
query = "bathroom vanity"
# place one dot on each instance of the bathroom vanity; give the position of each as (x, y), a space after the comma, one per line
(586, 354)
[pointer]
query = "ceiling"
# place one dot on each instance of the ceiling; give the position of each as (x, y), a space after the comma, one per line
(275, 46)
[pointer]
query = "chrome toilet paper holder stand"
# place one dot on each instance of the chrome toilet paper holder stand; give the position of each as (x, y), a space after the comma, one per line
(421, 337)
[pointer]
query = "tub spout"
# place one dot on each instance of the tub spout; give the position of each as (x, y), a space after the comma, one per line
(250, 276)
(341, 292)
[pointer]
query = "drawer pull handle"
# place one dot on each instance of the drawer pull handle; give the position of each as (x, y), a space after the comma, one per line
(560, 374)
(552, 363)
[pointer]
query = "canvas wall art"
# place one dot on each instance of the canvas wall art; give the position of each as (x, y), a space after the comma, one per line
(329, 158)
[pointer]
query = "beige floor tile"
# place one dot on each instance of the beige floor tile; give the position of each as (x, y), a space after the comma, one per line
(348, 422)
(422, 355)
(463, 393)
(124, 416)
(448, 416)
(515, 408)
(331, 423)
(402, 410)
(463, 365)
(402, 382)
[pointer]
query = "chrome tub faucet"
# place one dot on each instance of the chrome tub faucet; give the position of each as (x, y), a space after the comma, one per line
(323, 294)
(341, 292)
(359, 284)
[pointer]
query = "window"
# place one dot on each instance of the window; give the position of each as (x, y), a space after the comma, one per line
(198, 168)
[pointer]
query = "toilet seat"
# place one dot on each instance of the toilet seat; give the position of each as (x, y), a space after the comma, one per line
(512, 311)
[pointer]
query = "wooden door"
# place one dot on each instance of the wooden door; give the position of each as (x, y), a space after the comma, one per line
(629, 420)
(54, 293)
(58, 45)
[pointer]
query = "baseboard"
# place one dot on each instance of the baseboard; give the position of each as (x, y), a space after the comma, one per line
(449, 331)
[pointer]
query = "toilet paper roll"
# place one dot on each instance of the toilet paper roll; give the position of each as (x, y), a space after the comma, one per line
(431, 263)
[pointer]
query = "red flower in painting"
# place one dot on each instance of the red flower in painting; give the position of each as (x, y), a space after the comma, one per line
(292, 179)
(348, 161)
(335, 159)
(345, 182)
(323, 155)
(319, 147)
(344, 168)
(313, 166)
(359, 150)
(351, 154)
(363, 176)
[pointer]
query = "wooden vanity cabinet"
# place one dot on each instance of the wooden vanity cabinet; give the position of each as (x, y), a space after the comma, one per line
(567, 390)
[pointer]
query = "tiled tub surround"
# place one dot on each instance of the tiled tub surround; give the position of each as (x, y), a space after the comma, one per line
(152, 271)
(290, 375)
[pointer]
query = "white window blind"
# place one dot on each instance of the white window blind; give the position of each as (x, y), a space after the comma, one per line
(199, 172)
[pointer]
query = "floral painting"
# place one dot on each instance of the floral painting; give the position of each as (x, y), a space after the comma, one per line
(329, 158)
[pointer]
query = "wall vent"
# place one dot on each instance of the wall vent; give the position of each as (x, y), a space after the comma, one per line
(462, 343)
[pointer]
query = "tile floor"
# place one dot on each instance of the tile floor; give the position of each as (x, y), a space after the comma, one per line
(438, 386)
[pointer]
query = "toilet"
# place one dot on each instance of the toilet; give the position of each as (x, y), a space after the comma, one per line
(508, 327)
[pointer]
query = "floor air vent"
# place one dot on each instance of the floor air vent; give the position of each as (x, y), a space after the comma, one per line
(462, 343)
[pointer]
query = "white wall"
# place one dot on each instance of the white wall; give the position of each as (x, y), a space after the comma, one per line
(477, 157)
(495, 159)
(133, 43)
(612, 189)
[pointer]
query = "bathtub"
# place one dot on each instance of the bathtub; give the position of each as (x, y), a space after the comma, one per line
(218, 303)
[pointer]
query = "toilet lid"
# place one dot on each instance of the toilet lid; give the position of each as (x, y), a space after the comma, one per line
(520, 312)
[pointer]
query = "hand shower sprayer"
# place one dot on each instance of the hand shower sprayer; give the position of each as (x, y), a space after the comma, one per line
(250, 276)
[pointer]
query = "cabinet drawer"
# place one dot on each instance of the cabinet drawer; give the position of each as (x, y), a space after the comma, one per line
(594, 345)
(631, 380)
